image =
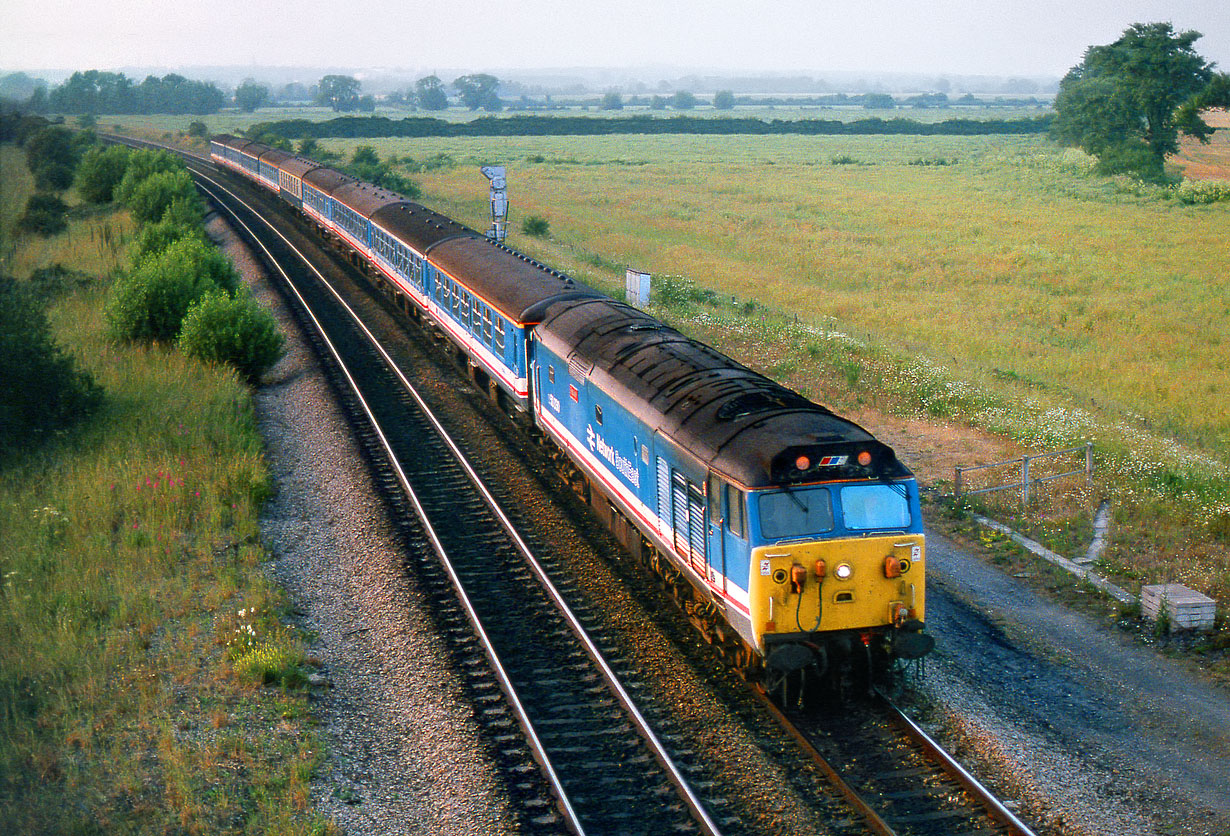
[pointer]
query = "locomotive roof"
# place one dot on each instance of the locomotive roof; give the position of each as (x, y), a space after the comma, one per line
(227, 139)
(514, 284)
(365, 198)
(326, 179)
(734, 420)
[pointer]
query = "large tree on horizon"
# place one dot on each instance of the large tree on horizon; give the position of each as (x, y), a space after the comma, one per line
(1127, 102)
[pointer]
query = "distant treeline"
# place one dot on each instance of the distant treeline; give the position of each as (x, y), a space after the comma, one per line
(374, 127)
(96, 92)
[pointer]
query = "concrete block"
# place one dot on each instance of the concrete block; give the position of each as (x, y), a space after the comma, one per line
(1186, 608)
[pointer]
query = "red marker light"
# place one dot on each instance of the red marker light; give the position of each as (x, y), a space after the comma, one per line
(802, 463)
(864, 458)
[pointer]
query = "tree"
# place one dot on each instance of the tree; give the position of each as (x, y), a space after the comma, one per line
(156, 194)
(340, 92)
(479, 90)
(683, 100)
(1127, 102)
(250, 95)
(221, 328)
(150, 302)
(429, 92)
(612, 101)
(724, 100)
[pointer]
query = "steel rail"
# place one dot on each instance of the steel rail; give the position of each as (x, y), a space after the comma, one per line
(957, 772)
(875, 823)
(646, 732)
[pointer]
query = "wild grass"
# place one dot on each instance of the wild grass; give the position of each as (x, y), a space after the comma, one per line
(127, 550)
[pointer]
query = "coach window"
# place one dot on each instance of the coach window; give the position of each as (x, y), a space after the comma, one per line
(598, 414)
(551, 373)
(499, 333)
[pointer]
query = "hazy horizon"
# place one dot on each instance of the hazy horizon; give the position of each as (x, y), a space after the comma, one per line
(906, 37)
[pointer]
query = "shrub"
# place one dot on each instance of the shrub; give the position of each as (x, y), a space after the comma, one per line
(536, 226)
(44, 390)
(155, 195)
(142, 164)
(45, 214)
(197, 129)
(150, 302)
(235, 330)
(156, 237)
(100, 172)
(51, 155)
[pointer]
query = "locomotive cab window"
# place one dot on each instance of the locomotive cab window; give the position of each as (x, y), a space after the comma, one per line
(598, 414)
(795, 513)
(866, 507)
(551, 373)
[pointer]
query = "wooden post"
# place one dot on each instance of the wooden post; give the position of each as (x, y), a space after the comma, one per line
(956, 482)
(1088, 462)
(1025, 481)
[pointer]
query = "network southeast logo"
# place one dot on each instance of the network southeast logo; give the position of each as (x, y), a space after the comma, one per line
(625, 467)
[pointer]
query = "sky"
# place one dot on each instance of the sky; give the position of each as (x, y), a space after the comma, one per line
(955, 37)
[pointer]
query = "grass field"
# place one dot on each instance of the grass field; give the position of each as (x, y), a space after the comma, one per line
(138, 624)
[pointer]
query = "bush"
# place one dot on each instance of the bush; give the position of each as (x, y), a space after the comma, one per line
(143, 164)
(51, 155)
(536, 226)
(45, 215)
(155, 195)
(44, 390)
(149, 303)
(235, 330)
(154, 238)
(197, 129)
(100, 172)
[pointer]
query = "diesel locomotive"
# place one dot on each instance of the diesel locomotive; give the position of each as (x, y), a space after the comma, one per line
(791, 536)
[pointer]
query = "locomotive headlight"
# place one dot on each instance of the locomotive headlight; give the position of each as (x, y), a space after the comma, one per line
(843, 571)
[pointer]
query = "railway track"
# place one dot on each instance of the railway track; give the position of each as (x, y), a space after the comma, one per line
(530, 661)
(583, 758)
(890, 770)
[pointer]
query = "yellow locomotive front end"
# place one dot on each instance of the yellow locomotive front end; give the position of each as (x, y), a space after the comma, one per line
(837, 578)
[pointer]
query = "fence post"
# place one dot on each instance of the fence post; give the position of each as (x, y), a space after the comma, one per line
(956, 481)
(1025, 481)
(1088, 462)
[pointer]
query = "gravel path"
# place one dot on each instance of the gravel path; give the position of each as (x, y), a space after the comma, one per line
(1091, 732)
